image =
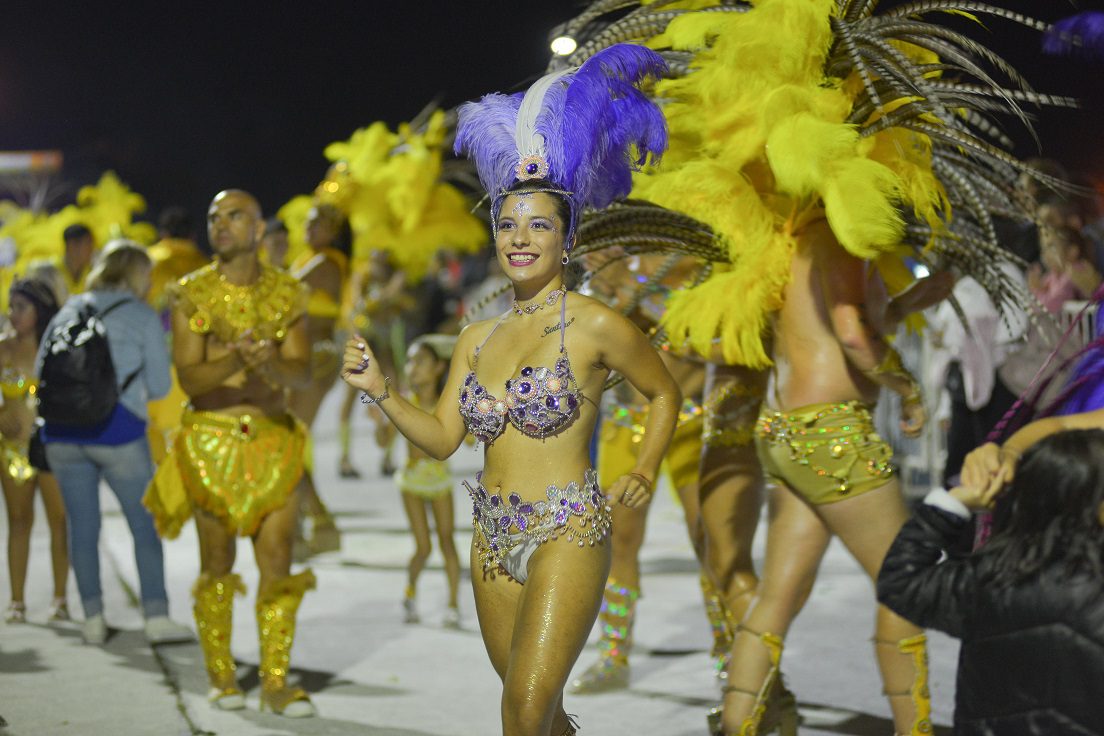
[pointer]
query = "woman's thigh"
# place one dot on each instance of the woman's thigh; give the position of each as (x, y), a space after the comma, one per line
(496, 602)
(555, 614)
(868, 524)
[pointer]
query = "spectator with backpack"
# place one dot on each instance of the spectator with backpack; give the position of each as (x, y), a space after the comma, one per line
(102, 359)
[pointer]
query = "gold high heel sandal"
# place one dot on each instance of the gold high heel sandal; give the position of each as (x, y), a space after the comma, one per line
(214, 610)
(775, 707)
(276, 609)
(917, 648)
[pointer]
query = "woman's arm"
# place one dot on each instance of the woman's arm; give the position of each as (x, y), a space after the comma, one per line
(155, 357)
(994, 465)
(625, 349)
(844, 283)
(439, 433)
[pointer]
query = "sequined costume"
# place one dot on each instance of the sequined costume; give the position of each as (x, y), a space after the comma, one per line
(539, 402)
(508, 530)
(237, 467)
(732, 406)
(825, 452)
(426, 478)
(623, 429)
(15, 386)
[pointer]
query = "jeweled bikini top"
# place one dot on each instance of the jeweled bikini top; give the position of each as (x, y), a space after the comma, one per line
(539, 402)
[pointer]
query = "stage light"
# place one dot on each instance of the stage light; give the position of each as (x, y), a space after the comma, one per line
(563, 45)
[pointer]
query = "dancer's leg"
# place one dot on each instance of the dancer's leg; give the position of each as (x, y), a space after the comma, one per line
(415, 508)
(19, 503)
(796, 541)
(867, 525)
(443, 514)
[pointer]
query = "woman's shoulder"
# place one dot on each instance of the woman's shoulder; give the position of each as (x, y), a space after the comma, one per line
(594, 314)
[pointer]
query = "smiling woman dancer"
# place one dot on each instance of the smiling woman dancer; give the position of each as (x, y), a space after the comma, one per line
(528, 383)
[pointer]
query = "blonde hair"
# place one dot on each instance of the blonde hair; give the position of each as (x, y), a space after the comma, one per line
(118, 267)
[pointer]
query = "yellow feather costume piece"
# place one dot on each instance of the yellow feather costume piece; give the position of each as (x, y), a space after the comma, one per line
(389, 186)
(759, 147)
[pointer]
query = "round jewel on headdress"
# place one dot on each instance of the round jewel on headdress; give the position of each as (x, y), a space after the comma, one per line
(533, 166)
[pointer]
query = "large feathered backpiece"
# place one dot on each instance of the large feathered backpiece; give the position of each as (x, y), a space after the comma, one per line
(888, 121)
(584, 130)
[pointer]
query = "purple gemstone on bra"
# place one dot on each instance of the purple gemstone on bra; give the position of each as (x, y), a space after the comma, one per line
(508, 384)
(522, 522)
(576, 506)
(470, 378)
(505, 523)
(495, 500)
(515, 499)
(561, 366)
(531, 428)
(494, 546)
(563, 501)
(561, 517)
(527, 371)
(478, 390)
(526, 508)
(524, 388)
(571, 402)
(519, 412)
(464, 396)
(552, 402)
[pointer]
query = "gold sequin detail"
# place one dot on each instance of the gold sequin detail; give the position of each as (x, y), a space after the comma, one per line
(267, 307)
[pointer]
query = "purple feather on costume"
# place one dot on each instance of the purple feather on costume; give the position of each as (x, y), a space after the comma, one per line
(485, 132)
(1081, 34)
(591, 124)
(590, 120)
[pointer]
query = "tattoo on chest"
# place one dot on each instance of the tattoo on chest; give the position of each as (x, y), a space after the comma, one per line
(556, 328)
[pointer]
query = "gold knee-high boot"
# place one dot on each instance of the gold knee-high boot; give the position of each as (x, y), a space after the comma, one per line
(916, 649)
(214, 612)
(611, 671)
(775, 708)
(277, 605)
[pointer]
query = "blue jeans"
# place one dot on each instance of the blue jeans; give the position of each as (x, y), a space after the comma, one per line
(127, 469)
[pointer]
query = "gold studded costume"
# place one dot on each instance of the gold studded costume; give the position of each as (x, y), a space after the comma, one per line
(13, 453)
(825, 452)
(622, 431)
(237, 467)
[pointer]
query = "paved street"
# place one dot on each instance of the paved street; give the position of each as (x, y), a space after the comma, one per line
(371, 674)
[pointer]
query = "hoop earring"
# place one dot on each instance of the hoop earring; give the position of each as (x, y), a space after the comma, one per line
(564, 260)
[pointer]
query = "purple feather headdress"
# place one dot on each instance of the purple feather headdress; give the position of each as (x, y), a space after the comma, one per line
(1079, 34)
(576, 129)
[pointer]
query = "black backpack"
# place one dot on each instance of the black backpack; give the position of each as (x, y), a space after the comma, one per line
(77, 384)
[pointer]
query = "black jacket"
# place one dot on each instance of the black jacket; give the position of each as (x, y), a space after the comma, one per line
(1032, 656)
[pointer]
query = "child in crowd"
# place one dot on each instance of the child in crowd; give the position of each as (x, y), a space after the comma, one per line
(426, 484)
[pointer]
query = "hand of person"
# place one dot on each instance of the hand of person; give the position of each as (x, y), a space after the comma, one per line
(631, 490)
(923, 293)
(989, 466)
(256, 353)
(360, 369)
(913, 417)
(976, 498)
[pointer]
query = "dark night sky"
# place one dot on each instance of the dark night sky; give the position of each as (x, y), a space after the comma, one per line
(182, 100)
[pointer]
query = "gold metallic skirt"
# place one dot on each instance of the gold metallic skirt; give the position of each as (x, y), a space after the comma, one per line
(15, 463)
(237, 468)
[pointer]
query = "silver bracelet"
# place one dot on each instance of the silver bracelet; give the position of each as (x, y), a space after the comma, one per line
(366, 399)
